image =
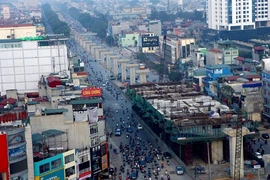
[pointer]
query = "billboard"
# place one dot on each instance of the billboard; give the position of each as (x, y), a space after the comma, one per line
(17, 152)
(91, 92)
(104, 155)
(150, 41)
(95, 160)
(4, 165)
(52, 175)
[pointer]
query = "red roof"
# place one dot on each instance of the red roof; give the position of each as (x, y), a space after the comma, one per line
(258, 48)
(254, 76)
(9, 100)
(214, 50)
(32, 94)
(239, 58)
(232, 78)
(53, 81)
(82, 73)
(15, 25)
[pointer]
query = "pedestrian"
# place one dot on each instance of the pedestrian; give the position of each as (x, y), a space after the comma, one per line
(261, 145)
(265, 142)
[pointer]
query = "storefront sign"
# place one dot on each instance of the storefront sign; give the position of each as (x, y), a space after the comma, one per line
(16, 139)
(55, 175)
(17, 152)
(104, 161)
(92, 92)
(95, 160)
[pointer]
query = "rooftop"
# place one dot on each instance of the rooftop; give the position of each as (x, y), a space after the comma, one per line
(16, 25)
(217, 66)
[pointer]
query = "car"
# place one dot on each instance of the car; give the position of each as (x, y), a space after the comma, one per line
(142, 163)
(179, 170)
(133, 175)
(167, 155)
(139, 126)
(118, 132)
(103, 85)
(258, 155)
(148, 159)
(265, 136)
(129, 130)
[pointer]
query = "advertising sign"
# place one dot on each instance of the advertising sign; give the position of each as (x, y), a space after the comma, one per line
(17, 152)
(4, 165)
(104, 161)
(95, 160)
(92, 92)
(150, 41)
(16, 139)
(55, 175)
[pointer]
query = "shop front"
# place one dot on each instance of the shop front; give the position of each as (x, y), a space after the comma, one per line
(52, 175)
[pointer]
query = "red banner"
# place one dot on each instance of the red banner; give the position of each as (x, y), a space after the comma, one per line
(92, 92)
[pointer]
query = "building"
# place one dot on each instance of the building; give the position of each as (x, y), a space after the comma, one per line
(229, 51)
(23, 61)
(212, 73)
(36, 15)
(266, 89)
(176, 47)
(17, 31)
(40, 29)
(15, 136)
(198, 76)
(128, 39)
(155, 27)
(6, 12)
(198, 56)
(213, 56)
(231, 15)
(148, 43)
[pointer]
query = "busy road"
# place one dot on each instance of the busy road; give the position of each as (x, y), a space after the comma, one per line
(133, 151)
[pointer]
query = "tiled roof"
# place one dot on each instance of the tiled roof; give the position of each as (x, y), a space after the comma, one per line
(214, 50)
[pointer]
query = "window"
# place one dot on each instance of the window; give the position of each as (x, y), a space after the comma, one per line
(56, 163)
(69, 158)
(93, 129)
(44, 168)
(94, 140)
(70, 171)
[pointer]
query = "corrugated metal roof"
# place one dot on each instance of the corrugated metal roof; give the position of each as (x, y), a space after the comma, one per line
(86, 101)
(52, 132)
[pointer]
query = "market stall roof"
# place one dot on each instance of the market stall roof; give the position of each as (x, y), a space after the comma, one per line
(52, 133)
(37, 138)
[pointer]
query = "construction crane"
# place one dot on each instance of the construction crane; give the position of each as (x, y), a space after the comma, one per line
(162, 60)
(238, 146)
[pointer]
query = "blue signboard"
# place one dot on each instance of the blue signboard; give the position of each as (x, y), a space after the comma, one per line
(16, 153)
(55, 175)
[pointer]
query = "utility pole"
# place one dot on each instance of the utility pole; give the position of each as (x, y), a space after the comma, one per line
(58, 49)
(209, 163)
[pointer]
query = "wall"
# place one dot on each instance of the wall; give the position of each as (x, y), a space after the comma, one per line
(22, 67)
(217, 150)
(213, 58)
(29, 151)
(71, 164)
(56, 173)
(77, 133)
(128, 40)
(4, 165)
(19, 32)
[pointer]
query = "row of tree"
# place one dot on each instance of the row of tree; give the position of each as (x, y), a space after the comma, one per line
(97, 24)
(164, 16)
(58, 27)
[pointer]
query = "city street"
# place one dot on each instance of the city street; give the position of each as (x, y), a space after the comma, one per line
(119, 113)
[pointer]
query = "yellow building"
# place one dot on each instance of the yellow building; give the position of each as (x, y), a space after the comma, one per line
(16, 31)
(40, 28)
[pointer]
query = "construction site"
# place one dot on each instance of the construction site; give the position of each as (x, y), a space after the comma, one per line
(191, 124)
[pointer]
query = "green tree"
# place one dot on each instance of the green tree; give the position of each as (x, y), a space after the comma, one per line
(109, 40)
(175, 76)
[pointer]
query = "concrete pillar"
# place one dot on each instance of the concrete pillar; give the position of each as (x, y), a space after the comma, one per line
(142, 74)
(109, 60)
(123, 63)
(232, 141)
(217, 150)
(132, 72)
(88, 47)
(93, 50)
(115, 66)
(99, 53)
(104, 56)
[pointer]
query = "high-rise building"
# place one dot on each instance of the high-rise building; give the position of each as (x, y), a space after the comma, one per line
(237, 14)
(23, 61)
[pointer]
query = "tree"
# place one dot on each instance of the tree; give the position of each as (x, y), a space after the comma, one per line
(175, 76)
(109, 40)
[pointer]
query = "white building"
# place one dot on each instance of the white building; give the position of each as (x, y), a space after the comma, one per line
(23, 62)
(6, 12)
(155, 27)
(230, 15)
